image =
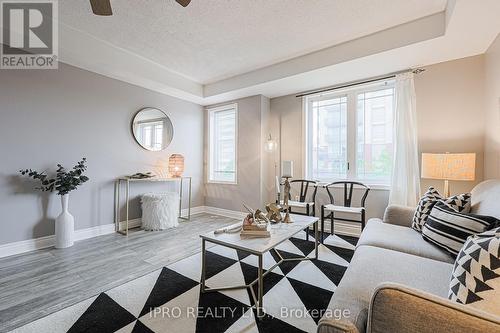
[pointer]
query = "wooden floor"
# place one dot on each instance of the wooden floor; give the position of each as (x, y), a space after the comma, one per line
(35, 284)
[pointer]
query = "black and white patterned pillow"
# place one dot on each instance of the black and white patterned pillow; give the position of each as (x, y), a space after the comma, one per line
(449, 229)
(424, 208)
(459, 202)
(475, 279)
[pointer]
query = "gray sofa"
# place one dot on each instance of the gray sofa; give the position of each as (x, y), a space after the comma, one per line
(397, 282)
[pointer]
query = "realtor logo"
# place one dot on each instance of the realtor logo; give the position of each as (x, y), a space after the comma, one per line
(29, 34)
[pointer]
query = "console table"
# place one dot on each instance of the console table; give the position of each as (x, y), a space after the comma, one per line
(127, 181)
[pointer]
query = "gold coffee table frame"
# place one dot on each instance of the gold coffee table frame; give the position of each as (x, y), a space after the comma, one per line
(258, 300)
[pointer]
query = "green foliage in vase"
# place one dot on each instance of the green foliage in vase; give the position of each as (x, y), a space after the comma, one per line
(64, 182)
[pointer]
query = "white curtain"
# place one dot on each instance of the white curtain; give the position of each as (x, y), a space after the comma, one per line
(405, 182)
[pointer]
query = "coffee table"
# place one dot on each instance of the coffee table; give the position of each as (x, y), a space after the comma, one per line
(259, 246)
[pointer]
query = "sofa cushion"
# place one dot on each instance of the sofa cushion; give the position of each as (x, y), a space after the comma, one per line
(403, 239)
(449, 229)
(476, 275)
(371, 266)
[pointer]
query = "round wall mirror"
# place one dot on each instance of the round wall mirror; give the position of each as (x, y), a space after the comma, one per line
(152, 129)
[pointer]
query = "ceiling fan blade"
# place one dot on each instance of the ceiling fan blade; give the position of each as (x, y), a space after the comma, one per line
(101, 7)
(183, 3)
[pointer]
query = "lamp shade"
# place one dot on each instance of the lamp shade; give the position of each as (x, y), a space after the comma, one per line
(449, 166)
(176, 165)
(287, 169)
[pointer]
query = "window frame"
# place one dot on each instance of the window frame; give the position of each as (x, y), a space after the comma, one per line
(210, 111)
(352, 129)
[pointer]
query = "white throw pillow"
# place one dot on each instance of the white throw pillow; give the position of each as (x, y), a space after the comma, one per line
(476, 275)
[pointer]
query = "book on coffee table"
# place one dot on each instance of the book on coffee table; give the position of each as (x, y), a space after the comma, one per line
(255, 233)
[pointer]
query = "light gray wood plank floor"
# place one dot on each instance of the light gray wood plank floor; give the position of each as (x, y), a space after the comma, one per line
(36, 284)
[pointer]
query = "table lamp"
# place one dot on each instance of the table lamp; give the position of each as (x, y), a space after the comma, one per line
(449, 167)
(176, 165)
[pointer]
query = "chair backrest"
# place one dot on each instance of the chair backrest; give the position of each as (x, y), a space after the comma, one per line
(305, 185)
(348, 190)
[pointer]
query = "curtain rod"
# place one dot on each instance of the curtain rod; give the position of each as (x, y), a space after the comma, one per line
(357, 83)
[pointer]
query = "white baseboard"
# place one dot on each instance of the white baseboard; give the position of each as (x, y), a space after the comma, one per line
(194, 210)
(28, 245)
(224, 212)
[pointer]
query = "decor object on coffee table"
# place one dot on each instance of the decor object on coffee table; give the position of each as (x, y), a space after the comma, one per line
(449, 167)
(127, 181)
(255, 224)
(287, 173)
(159, 211)
(64, 182)
(176, 165)
(304, 203)
(274, 212)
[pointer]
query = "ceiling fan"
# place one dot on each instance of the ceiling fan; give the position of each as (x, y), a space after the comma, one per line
(103, 7)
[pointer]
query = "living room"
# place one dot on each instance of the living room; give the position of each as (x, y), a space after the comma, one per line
(250, 166)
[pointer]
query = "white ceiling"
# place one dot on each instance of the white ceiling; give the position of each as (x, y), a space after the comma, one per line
(214, 39)
(216, 50)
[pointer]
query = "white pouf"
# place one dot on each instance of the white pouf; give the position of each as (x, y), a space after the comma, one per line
(160, 210)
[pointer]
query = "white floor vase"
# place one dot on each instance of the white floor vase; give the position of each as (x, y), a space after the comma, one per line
(65, 225)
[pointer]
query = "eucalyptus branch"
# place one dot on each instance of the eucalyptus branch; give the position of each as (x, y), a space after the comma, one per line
(64, 181)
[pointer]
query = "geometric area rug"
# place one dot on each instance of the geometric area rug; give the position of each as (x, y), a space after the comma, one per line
(296, 294)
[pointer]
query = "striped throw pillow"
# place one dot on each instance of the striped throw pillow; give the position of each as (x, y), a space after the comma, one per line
(449, 229)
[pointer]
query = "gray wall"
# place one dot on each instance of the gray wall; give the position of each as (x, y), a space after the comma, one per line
(59, 116)
(252, 115)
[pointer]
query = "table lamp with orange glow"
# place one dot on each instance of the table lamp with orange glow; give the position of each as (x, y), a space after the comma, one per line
(449, 167)
(176, 165)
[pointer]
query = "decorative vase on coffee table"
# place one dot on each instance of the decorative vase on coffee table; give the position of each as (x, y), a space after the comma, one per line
(65, 225)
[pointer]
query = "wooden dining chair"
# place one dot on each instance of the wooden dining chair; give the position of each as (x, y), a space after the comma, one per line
(328, 211)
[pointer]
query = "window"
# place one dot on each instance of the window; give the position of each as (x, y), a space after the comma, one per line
(349, 134)
(328, 153)
(222, 144)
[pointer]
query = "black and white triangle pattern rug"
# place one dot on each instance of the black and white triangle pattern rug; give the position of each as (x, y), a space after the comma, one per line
(296, 294)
